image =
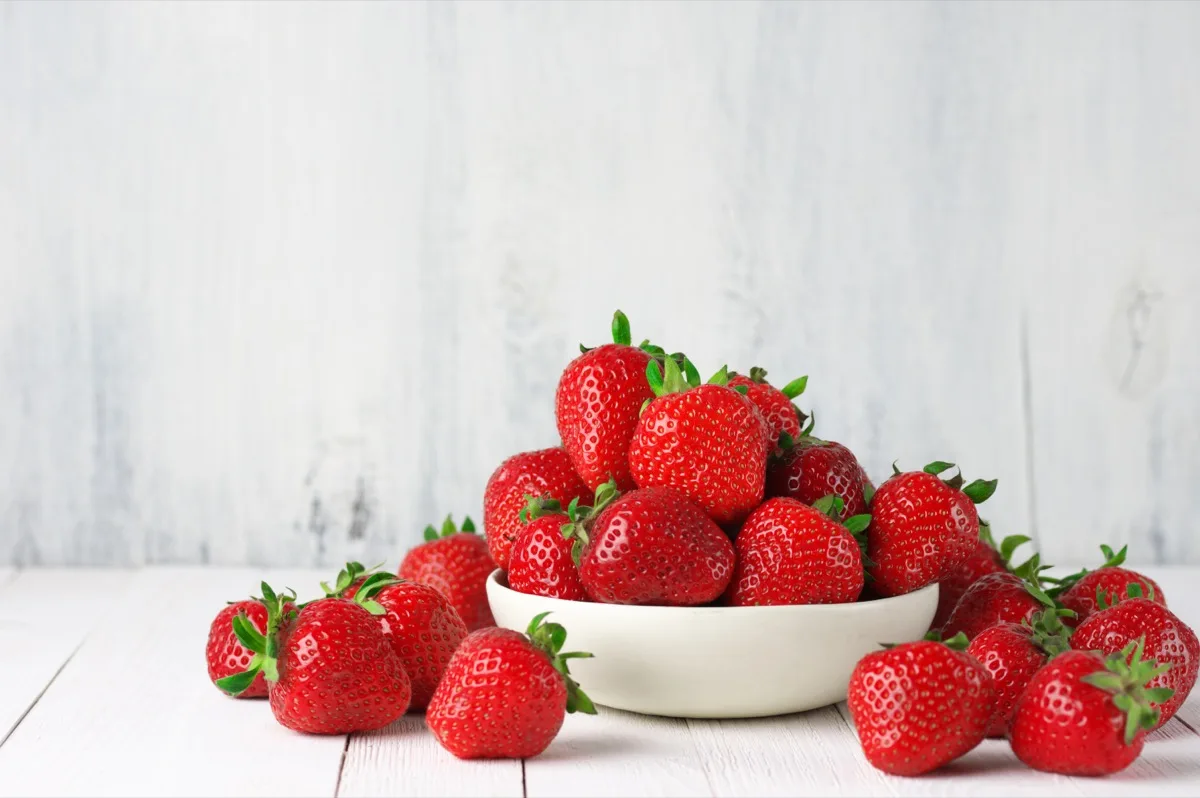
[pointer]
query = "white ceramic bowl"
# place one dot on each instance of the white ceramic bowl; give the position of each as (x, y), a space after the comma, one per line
(719, 662)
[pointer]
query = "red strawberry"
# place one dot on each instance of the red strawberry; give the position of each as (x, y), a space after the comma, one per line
(703, 440)
(1168, 641)
(983, 560)
(918, 706)
(921, 527)
(541, 562)
(330, 669)
(600, 395)
(1012, 653)
(653, 546)
(810, 468)
(546, 472)
(790, 553)
(505, 694)
(422, 626)
(225, 653)
(1083, 715)
(457, 565)
(775, 404)
(996, 598)
(1083, 589)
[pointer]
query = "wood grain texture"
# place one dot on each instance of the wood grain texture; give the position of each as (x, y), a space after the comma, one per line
(34, 641)
(133, 712)
(406, 760)
(285, 282)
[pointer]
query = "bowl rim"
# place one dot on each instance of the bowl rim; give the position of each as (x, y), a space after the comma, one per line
(494, 583)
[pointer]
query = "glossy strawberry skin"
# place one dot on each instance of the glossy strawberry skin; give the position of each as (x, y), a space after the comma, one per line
(338, 672)
(500, 698)
(1009, 654)
(789, 553)
(1114, 582)
(996, 598)
(654, 546)
(1169, 641)
(918, 706)
(545, 473)
(225, 655)
(1064, 725)
(599, 397)
(540, 563)
(983, 560)
(813, 469)
(706, 442)
(424, 631)
(457, 566)
(774, 405)
(920, 529)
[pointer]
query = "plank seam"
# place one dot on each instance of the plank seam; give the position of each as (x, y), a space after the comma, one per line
(38, 698)
(337, 788)
(524, 786)
(1027, 417)
(1187, 725)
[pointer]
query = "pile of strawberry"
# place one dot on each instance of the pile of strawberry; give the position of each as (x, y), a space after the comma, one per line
(376, 646)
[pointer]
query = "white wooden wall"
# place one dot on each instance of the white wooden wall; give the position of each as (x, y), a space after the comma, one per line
(280, 283)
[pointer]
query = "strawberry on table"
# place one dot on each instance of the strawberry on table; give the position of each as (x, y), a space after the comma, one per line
(545, 472)
(918, 706)
(775, 404)
(1167, 640)
(424, 629)
(983, 560)
(226, 655)
(541, 561)
(993, 599)
(596, 406)
(455, 563)
(505, 694)
(705, 441)
(922, 526)
(329, 668)
(1013, 653)
(653, 546)
(1079, 592)
(790, 553)
(1084, 715)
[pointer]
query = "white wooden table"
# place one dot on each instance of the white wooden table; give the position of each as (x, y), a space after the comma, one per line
(103, 691)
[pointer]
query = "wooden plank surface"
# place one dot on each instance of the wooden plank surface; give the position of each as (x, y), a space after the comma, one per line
(133, 712)
(245, 246)
(44, 616)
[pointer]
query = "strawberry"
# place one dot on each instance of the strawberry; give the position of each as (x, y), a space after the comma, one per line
(918, 706)
(652, 546)
(983, 560)
(1083, 715)
(790, 553)
(540, 562)
(225, 653)
(1167, 640)
(996, 598)
(775, 404)
(422, 626)
(705, 441)
(456, 564)
(921, 527)
(1080, 592)
(809, 468)
(599, 397)
(505, 694)
(1012, 653)
(329, 668)
(546, 472)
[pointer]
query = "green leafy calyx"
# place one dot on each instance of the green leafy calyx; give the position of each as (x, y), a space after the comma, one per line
(580, 517)
(550, 637)
(264, 646)
(1125, 676)
(448, 528)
